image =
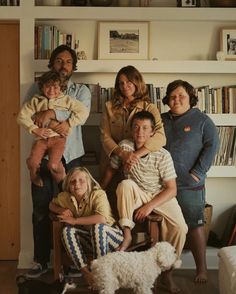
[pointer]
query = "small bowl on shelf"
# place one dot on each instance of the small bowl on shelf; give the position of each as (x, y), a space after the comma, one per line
(223, 3)
(101, 2)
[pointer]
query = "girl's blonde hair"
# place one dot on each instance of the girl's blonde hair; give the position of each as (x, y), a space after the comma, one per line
(92, 183)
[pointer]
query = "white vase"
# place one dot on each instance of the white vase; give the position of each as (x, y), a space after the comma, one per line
(52, 2)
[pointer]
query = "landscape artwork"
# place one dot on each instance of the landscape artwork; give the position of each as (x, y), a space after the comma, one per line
(124, 41)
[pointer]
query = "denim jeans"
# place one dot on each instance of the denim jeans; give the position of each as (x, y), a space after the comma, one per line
(41, 197)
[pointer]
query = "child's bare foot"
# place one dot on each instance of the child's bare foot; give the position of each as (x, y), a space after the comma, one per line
(88, 276)
(168, 282)
(37, 181)
(126, 241)
(124, 245)
(201, 277)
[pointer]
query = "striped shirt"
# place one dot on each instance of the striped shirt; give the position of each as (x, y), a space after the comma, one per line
(151, 170)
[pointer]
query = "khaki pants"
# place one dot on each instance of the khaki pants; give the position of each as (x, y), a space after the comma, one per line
(173, 226)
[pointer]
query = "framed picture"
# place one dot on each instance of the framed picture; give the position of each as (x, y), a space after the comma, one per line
(228, 43)
(188, 3)
(123, 40)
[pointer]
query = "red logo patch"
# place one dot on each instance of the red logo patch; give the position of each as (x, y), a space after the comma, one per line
(187, 129)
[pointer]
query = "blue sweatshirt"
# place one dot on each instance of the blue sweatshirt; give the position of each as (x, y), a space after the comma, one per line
(192, 140)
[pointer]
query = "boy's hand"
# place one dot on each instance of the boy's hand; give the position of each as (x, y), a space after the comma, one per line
(141, 213)
(43, 133)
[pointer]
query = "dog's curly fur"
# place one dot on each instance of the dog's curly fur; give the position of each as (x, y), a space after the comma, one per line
(134, 270)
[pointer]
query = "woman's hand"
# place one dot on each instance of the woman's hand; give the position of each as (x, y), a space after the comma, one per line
(129, 159)
(195, 177)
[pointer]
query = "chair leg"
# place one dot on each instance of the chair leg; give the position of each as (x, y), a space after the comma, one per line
(57, 249)
(154, 232)
(232, 236)
(154, 289)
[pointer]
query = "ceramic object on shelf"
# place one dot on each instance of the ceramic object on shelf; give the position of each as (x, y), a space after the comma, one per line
(123, 3)
(220, 55)
(79, 2)
(51, 2)
(101, 2)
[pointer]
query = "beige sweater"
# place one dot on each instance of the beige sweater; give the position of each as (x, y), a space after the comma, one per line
(79, 112)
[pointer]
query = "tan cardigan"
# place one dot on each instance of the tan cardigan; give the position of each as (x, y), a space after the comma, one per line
(114, 127)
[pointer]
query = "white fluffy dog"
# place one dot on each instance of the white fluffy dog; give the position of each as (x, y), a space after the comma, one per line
(134, 270)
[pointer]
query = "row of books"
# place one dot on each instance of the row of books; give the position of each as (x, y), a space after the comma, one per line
(226, 154)
(9, 2)
(48, 37)
(99, 96)
(217, 100)
(210, 100)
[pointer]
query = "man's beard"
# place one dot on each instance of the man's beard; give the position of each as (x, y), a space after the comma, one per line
(64, 77)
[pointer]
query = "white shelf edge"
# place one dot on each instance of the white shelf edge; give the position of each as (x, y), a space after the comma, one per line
(224, 119)
(149, 66)
(222, 172)
(120, 13)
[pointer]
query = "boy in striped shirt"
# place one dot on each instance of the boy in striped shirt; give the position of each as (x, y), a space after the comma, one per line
(149, 185)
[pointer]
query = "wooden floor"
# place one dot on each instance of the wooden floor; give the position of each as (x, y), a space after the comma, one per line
(184, 279)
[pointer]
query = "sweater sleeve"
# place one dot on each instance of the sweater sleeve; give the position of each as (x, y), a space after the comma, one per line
(210, 145)
(24, 117)
(79, 113)
(158, 140)
(106, 138)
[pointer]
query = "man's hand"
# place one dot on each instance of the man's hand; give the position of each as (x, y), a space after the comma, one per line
(42, 118)
(43, 133)
(62, 128)
(141, 213)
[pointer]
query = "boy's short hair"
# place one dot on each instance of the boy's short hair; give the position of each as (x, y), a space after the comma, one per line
(50, 76)
(142, 115)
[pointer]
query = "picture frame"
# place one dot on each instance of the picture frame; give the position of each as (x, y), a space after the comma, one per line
(228, 43)
(188, 3)
(123, 40)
